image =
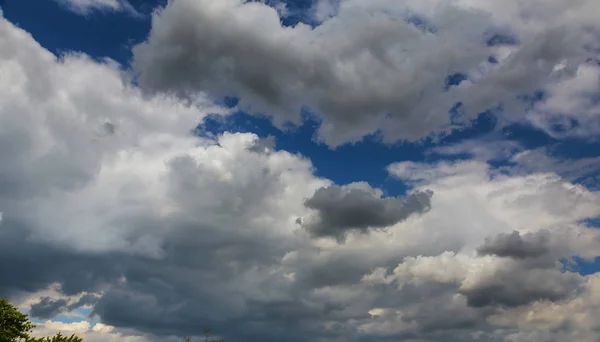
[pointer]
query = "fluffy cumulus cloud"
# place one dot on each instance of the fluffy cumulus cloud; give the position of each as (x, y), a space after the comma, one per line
(118, 216)
(386, 66)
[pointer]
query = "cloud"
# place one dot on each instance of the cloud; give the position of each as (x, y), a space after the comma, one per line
(571, 108)
(94, 333)
(517, 286)
(376, 66)
(520, 161)
(85, 7)
(48, 308)
(484, 149)
(265, 145)
(359, 207)
(516, 246)
(584, 170)
(58, 147)
(173, 232)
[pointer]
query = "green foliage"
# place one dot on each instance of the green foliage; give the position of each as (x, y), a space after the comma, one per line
(57, 338)
(16, 326)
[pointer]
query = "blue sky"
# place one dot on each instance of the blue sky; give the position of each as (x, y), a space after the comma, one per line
(405, 114)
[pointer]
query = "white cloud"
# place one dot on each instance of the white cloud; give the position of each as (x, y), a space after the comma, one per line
(79, 121)
(94, 333)
(324, 9)
(535, 201)
(480, 149)
(582, 170)
(572, 107)
(87, 6)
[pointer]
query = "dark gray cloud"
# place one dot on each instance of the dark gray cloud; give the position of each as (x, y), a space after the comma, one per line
(518, 246)
(109, 128)
(520, 285)
(442, 315)
(35, 266)
(531, 274)
(85, 300)
(343, 209)
(47, 308)
(193, 287)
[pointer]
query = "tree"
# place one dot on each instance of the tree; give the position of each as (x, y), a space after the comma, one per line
(57, 338)
(16, 326)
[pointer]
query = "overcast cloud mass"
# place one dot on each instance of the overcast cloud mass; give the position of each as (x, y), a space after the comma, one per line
(120, 223)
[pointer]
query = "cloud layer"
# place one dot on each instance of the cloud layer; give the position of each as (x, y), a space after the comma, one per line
(111, 204)
(384, 66)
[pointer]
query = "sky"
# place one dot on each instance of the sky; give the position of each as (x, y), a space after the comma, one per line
(309, 170)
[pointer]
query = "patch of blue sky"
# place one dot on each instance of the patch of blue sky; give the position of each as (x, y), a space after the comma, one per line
(586, 267)
(343, 165)
(293, 12)
(575, 148)
(421, 23)
(528, 136)
(454, 80)
(501, 39)
(78, 315)
(99, 34)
